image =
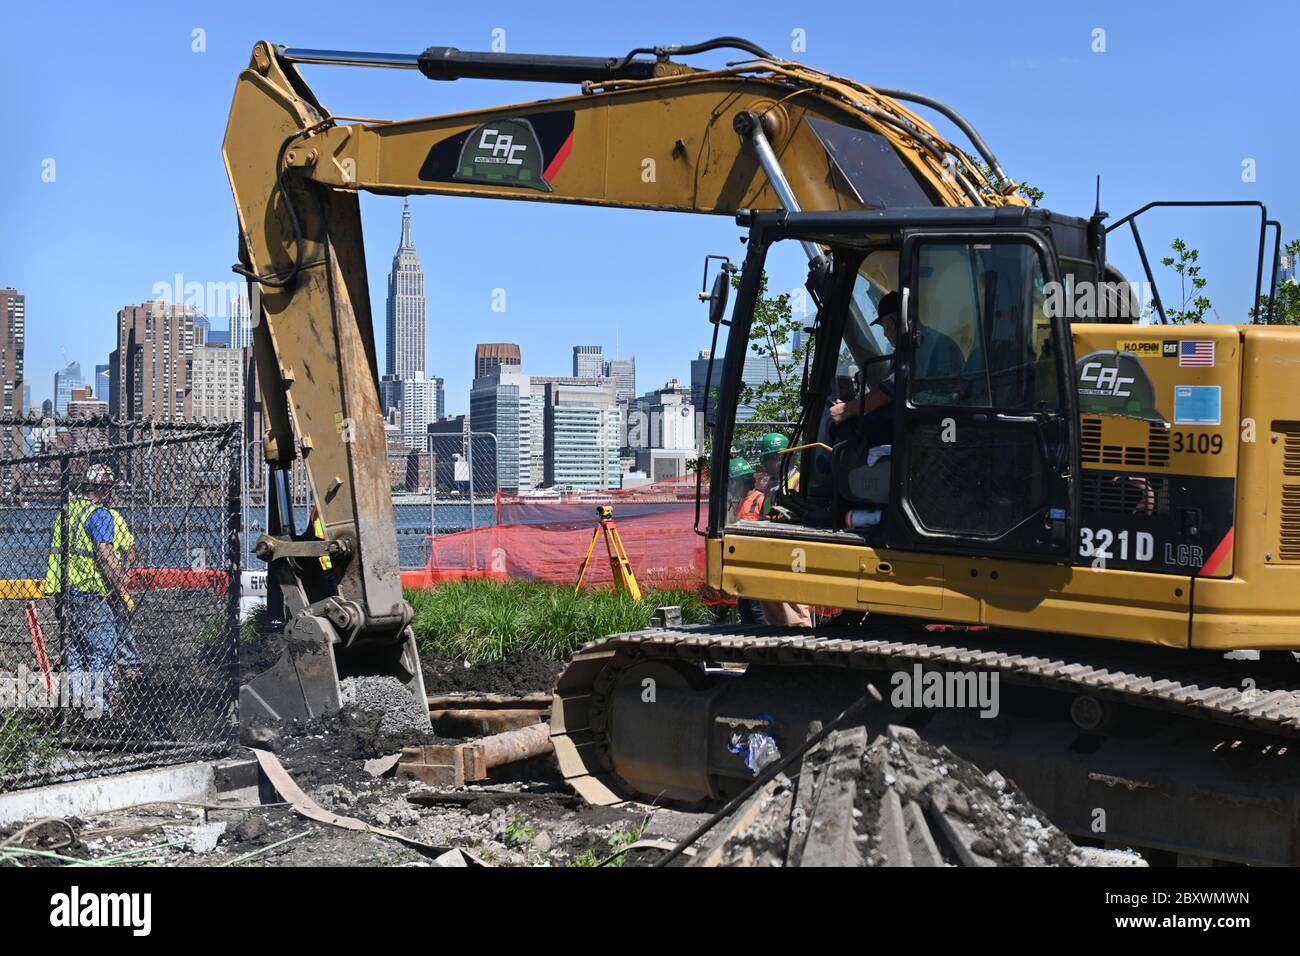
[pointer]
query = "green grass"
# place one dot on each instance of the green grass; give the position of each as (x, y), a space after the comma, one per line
(28, 743)
(489, 620)
(256, 623)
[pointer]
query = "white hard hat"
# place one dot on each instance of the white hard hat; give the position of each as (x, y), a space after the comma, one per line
(99, 475)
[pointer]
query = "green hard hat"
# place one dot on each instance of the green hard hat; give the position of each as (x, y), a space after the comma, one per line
(772, 443)
(739, 468)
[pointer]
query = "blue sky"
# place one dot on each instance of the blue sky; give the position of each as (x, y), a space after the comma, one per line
(133, 118)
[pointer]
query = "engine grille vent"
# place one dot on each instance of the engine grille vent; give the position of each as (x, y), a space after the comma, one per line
(1126, 495)
(1094, 451)
(1288, 546)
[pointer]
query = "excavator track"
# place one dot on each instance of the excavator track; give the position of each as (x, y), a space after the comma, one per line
(1228, 699)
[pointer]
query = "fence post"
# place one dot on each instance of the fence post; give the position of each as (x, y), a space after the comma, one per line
(65, 539)
(472, 523)
(234, 561)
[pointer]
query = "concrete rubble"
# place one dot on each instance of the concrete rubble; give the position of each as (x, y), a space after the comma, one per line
(894, 800)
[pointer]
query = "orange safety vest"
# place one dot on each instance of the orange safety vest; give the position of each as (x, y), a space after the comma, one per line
(751, 509)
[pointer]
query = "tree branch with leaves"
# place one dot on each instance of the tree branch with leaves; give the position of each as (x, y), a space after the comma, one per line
(771, 337)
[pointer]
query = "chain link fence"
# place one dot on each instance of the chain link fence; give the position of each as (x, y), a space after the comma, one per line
(119, 543)
(448, 487)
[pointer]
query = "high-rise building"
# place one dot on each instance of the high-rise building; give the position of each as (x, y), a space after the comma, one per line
(500, 404)
(412, 403)
(661, 431)
(241, 321)
(758, 369)
(664, 418)
(390, 396)
(582, 437)
(1286, 268)
(13, 326)
(217, 384)
(83, 404)
(65, 380)
(623, 373)
(406, 309)
(103, 382)
(588, 361)
(489, 356)
(417, 402)
(449, 442)
(150, 374)
(699, 375)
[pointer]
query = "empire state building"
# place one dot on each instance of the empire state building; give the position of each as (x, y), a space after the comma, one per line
(406, 307)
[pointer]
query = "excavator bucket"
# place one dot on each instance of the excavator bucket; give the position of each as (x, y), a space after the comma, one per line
(305, 683)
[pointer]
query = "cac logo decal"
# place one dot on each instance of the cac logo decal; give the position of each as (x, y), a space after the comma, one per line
(504, 152)
(1098, 379)
(1115, 382)
(501, 147)
(525, 152)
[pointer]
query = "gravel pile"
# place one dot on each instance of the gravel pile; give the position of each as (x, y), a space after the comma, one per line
(399, 713)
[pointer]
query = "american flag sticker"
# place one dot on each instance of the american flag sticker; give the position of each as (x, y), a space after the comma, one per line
(1196, 353)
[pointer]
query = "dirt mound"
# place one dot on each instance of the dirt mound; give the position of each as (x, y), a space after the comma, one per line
(524, 674)
(894, 801)
(321, 749)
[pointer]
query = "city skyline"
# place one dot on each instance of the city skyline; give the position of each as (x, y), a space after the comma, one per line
(647, 271)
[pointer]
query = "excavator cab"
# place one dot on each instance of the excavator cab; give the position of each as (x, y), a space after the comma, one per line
(967, 442)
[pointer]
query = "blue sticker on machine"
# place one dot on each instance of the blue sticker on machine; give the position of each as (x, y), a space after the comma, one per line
(1197, 405)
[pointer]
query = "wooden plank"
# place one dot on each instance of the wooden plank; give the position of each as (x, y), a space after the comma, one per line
(459, 722)
(805, 785)
(894, 845)
(924, 851)
(760, 819)
(959, 835)
(831, 832)
(489, 701)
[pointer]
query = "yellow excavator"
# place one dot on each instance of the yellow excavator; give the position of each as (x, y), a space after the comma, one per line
(1003, 472)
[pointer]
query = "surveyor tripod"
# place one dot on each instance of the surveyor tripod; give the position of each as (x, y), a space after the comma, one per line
(619, 565)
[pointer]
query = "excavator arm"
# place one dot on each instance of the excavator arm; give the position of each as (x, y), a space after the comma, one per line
(643, 132)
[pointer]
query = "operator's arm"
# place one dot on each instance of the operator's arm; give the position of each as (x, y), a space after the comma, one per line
(108, 563)
(100, 528)
(874, 400)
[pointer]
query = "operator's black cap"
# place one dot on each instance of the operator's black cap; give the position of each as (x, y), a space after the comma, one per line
(888, 305)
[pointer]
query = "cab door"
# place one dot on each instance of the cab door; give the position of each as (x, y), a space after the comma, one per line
(985, 451)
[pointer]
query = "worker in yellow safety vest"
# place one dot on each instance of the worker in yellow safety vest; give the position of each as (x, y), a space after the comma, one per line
(94, 579)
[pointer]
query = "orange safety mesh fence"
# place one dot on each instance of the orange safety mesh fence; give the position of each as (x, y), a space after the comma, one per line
(544, 538)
